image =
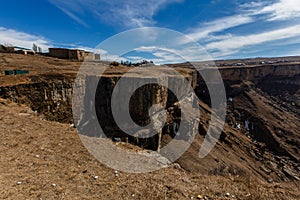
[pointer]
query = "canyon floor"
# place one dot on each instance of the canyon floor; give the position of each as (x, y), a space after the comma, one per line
(44, 159)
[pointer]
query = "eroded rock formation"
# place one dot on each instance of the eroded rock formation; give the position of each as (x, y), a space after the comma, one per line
(265, 96)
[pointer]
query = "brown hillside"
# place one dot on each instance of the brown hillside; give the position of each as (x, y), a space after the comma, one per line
(42, 157)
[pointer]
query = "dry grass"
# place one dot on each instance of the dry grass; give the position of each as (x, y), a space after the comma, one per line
(40, 153)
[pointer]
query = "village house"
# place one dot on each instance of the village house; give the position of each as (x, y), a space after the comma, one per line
(71, 54)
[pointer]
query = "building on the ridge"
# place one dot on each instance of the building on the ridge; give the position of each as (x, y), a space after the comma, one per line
(97, 56)
(59, 53)
(71, 54)
(6, 49)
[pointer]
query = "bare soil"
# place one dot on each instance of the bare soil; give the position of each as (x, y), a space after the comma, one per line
(40, 159)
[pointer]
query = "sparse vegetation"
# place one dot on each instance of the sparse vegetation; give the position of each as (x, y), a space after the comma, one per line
(141, 63)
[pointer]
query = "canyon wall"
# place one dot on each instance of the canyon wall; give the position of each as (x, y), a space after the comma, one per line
(51, 98)
(266, 96)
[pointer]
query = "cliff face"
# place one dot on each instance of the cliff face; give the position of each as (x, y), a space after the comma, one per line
(146, 92)
(265, 96)
(279, 81)
(52, 98)
(274, 79)
(260, 72)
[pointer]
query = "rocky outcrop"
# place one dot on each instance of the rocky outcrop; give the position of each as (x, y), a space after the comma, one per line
(257, 73)
(52, 98)
(144, 97)
(264, 95)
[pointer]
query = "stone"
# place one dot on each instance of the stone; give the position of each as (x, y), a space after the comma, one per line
(265, 169)
(289, 172)
(24, 114)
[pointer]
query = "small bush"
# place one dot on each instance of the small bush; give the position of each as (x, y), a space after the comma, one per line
(114, 63)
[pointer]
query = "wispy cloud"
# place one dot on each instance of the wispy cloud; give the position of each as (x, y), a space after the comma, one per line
(220, 41)
(133, 13)
(238, 42)
(73, 16)
(162, 55)
(281, 10)
(206, 29)
(19, 38)
(175, 54)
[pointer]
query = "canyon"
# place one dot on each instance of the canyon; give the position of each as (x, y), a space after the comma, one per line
(259, 141)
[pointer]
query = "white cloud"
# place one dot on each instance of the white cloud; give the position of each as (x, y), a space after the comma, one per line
(238, 42)
(135, 58)
(133, 13)
(211, 38)
(220, 42)
(253, 5)
(216, 34)
(161, 55)
(205, 30)
(18, 38)
(25, 40)
(175, 54)
(282, 10)
(73, 16)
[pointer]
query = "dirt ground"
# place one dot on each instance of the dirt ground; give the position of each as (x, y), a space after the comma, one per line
(40, 159)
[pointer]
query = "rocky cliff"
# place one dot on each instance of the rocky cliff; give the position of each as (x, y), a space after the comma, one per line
(266, 96)
(51, 97)
(149, 87)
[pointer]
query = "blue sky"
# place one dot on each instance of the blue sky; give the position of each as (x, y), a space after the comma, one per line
(226, 29)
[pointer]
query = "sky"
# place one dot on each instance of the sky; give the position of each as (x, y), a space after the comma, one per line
(224, 29)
